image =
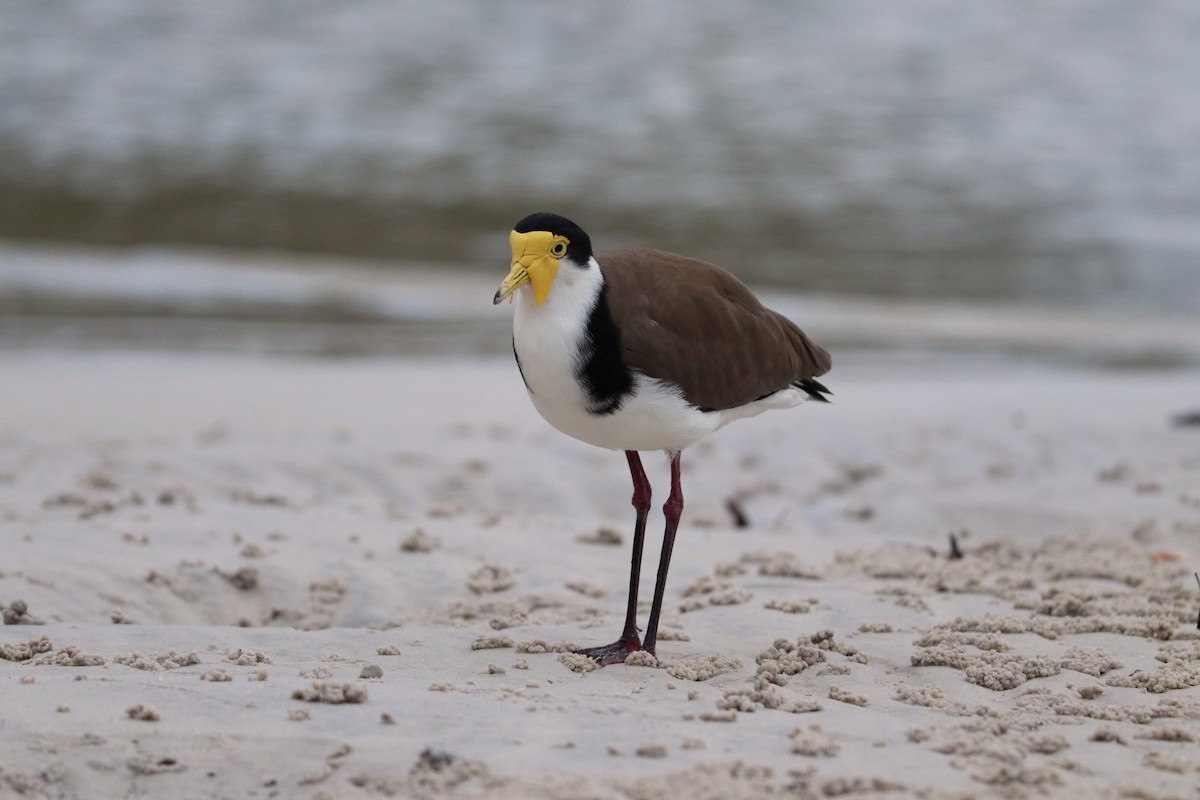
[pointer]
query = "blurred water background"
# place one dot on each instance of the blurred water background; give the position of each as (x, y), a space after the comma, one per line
(340, 175)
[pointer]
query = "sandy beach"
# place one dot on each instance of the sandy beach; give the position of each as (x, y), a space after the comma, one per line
(230, 576)
(278, 519)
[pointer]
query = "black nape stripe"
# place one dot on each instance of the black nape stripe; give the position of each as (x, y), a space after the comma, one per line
(604, 376)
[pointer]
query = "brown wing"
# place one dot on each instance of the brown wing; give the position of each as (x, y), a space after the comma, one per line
(697, 326)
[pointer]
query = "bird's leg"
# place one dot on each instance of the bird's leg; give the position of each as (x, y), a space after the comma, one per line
(672, 510)
(617, 651)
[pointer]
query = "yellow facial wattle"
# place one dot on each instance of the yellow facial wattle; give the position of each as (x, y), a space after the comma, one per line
(535, 258)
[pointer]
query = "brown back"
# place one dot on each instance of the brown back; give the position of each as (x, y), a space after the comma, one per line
(695, 325)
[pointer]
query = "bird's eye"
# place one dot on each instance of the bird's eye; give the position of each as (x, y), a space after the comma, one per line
(558, 249)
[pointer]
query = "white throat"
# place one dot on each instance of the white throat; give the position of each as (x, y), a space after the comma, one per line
(556, 328)
(549, 341)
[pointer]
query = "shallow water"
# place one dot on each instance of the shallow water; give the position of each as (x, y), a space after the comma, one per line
(88, 298)
(913, 149)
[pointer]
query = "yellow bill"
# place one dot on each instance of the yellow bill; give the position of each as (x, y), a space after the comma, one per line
(535, 258)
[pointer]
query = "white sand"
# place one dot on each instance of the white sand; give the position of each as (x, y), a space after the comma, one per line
(258, 508)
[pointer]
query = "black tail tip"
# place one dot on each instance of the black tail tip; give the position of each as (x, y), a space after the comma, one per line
(815, 389)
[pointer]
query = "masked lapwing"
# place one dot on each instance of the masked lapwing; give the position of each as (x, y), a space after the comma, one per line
(635, 349)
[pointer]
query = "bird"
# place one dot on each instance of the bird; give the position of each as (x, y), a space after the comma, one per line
(635, 349)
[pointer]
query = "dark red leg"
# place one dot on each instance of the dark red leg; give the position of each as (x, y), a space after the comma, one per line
(617, 651)
(672, 510)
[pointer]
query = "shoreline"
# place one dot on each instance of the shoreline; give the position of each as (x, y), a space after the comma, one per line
(162, 300)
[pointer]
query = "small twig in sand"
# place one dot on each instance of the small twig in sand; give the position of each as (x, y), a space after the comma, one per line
(1196, 575)
(734, 506)
(1186, 419)
(955, 552)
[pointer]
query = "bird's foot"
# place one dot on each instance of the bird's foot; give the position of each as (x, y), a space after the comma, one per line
(614, 653)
